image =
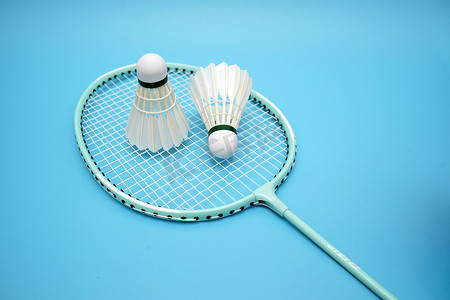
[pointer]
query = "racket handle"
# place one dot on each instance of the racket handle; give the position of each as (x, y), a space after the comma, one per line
(338, 256)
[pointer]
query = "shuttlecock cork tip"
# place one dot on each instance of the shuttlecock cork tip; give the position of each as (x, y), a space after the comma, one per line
(151, 70)
(223, 143)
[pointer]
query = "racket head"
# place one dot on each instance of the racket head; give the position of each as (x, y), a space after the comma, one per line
(125, 173)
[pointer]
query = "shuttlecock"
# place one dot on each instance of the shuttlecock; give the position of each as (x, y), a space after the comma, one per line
(220, 94)
(156, 118)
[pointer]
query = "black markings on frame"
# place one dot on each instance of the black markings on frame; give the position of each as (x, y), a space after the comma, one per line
(182, 218)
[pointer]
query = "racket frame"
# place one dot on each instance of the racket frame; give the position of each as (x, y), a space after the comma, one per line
(261, 196)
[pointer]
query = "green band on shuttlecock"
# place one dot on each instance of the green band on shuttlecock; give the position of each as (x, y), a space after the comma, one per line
(222, 127)
(153, 85)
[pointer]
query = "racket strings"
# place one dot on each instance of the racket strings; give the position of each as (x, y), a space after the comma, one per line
(187, 177)
(187, 191)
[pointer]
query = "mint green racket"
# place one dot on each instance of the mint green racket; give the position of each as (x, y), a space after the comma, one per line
(188, 183)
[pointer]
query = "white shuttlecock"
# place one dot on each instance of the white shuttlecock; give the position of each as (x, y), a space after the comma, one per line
(220, 94)
(156, 118)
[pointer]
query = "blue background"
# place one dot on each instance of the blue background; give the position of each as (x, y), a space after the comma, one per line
(366, 88)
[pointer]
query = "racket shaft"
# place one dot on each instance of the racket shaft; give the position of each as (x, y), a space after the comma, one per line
(343, 260)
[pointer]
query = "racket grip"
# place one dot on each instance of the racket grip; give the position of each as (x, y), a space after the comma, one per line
(338, 256)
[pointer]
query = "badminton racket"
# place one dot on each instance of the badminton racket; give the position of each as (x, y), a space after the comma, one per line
(188, 183)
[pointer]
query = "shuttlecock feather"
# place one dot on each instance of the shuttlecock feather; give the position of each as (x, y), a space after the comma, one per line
(156, 118)
(220, 94)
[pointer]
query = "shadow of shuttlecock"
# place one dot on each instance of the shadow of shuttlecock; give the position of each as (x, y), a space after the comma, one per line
(257, 137)
(253, 139)
(175, 171)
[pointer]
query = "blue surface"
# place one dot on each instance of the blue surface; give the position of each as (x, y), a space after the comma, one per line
(366, 88)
